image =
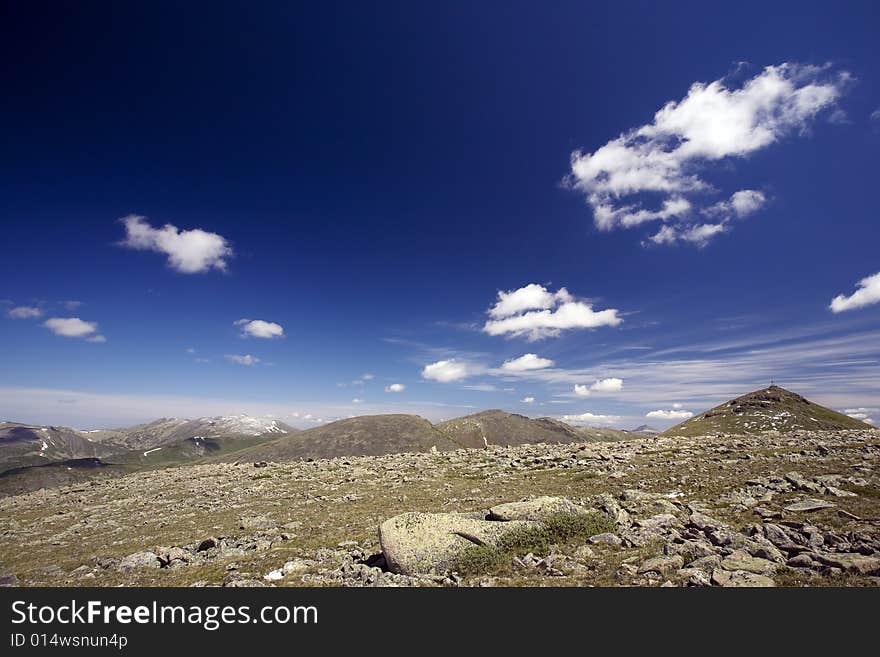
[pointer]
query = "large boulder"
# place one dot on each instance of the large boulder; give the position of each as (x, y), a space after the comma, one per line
(539, 509)
(139, 560)
(432, 542)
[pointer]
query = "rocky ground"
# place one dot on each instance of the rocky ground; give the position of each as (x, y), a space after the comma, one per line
(794, 509)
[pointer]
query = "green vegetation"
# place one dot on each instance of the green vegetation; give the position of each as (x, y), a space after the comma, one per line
(560, 530)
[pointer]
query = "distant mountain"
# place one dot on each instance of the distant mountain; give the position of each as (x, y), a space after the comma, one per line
(168, 441)
(23, 445)
(167, 431)
(646, 429)
(769, 409)
(496, 427)
(368, 435)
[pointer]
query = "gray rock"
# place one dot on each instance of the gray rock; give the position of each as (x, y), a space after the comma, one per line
(659, 521)
(852, 563)
(432, 542)
(662, 564)
(704, 523)
(8, 579)
(694, 577)
(257, 522)
(809, 505)
(739, 578)
(606, 539)
(537, 509)
(139, 560)
(803, 560)
(740, 560)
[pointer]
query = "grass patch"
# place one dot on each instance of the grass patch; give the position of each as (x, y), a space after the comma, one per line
(864, 491)
(560, 530)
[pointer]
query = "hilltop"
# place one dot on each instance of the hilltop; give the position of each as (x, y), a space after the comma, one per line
(769, 409)
(497, 427)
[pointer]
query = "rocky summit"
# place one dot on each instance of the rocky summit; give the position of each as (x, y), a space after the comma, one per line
(770, 409)
(795, 508)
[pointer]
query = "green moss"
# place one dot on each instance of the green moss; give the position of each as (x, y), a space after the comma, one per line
(560, 530)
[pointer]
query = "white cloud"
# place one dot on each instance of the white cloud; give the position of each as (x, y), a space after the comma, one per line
(189, 251)
(740, 204)
(356, 400)
(395, 387)
(245, 359)
(74, 327)
(258, 328)
(611, 384)
(867, 294)
(670, 415)
(530, 297)
(698, 234)
(662, 161)
(368, 377)
(862, 413)
(446, 371)
(590, 419)
(24, 312)
(676, 405)
(72, 304)
(538, 313)
(527, 400)
(525, 363)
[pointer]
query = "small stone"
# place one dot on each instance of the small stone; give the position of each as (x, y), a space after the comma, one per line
(139, 560)
(740, 578)
(273, 575)
(606, 539)
(740, 560)
(8, 579)
(584, 553)
(663, 564)
(853, 563)
(801, 561)
(809, 505)
(206, 544)
(295, 567)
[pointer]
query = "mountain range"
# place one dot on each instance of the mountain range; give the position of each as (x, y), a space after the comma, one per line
(33, 456)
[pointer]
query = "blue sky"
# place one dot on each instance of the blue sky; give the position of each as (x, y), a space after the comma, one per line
(655, 206)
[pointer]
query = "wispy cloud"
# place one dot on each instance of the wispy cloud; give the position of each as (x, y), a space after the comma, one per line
(242, 359)
(24, 312)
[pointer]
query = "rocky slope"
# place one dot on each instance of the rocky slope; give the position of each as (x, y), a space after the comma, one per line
(791, 508)
(357, 436)
(769, 409)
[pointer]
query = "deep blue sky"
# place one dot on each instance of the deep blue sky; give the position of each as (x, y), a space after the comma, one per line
(381, 173)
